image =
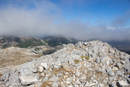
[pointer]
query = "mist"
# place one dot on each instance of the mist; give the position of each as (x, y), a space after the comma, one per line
(45, 18)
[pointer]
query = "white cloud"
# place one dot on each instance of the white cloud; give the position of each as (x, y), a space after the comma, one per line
(111, 28)
(40, 21)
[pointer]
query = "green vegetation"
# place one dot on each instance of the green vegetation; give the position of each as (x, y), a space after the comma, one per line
(30, 42)
(37, 49)
(4, 39)
(86, 57)
(58, 40)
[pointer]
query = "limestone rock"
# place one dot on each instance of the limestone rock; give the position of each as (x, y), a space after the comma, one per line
(40, 69)
(27, 80)
(123, 83)
(44, 65)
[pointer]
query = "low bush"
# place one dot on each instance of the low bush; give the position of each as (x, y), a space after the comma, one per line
(86, 57)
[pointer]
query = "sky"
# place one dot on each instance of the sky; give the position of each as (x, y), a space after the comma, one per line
(81, 19)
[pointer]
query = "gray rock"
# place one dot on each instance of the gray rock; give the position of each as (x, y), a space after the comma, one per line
(122, 62)
(54, 78)
(72, 86)
(119, 65)
(40, 69)
(113, 84)
(119, 73)
(55, 84)
(111, 73)
(68, 81)
(123, 83)
(128, 80)
(44, 65)
(98, 60)
(45, 79)
(27, 80)
(104, 81)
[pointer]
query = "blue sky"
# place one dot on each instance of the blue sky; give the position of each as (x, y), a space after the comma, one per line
(84, 19)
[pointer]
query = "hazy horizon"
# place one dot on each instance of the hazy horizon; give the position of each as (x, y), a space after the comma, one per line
(82, 19)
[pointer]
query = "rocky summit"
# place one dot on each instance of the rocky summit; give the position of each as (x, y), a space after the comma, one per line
(85, 64)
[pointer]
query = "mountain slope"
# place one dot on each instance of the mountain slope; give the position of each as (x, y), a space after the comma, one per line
(58, 40)
(22, 42)
(15, 56)
(121, 45)
(85, 64)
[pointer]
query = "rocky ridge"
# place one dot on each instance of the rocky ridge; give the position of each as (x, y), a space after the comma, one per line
(85, 64)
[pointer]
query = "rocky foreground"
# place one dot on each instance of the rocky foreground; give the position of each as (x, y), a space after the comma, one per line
(86, 64)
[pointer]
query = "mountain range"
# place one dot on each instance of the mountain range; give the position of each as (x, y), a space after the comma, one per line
(24, 42)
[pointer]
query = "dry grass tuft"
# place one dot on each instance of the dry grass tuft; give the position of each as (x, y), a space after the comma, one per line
(55, 71)
(46, 84)
(15, 57)
(0, 74)
(76, 61)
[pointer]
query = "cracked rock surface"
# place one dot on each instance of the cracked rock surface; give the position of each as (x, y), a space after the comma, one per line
(85, 64)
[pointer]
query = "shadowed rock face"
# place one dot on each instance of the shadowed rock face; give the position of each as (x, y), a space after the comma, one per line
(81, 65)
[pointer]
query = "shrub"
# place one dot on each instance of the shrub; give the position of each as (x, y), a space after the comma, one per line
(37, 49)
(86, 57)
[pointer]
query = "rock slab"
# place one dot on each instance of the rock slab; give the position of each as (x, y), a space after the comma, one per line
(27, 80)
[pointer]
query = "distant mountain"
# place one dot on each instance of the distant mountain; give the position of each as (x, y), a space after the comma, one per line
(58, 40)
(121, 45)
(23, 42)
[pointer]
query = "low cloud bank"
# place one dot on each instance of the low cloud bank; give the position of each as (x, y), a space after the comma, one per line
(44, 18)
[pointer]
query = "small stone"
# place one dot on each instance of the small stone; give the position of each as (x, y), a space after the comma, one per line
(45, 79)
(111, 73)
(123, 83)
(104, 81)
(40, 69)
(101, 85)
(70, 86)
(114, 69)
(128, 80)
(42, 74)
(119, 65)
(44, 65)
(27, 80)
(97, 60)
(87, 84)
(54, 78)
(68, 81)
(55, 84)
(119, 73)
(113, 84)
(122, 62)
